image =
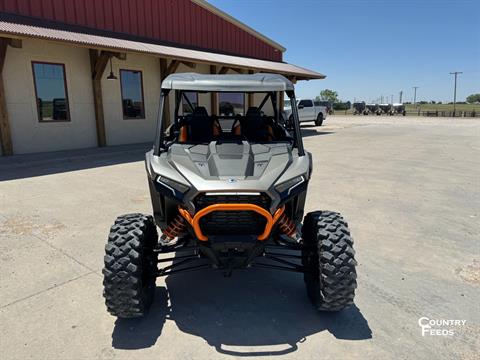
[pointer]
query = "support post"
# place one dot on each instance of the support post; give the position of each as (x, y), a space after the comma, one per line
(5, 132)
(281, 101)
(251, 96)
(164, 72)
(98, 63)
(213, 96)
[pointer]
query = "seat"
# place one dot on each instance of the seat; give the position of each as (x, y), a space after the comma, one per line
(199, 127)
(254, 126)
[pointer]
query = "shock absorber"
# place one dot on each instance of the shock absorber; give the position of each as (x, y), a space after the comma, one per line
(287, 226)
(176, 227)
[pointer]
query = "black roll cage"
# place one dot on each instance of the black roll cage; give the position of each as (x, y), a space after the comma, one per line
(159, 144)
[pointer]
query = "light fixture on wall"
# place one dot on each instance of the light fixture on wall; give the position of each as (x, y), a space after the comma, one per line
(111, 76)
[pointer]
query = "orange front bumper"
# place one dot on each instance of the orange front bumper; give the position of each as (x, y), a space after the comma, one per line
(195, 220)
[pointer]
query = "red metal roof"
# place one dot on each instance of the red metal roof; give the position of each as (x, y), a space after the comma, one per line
(177, 21)
(109, 43)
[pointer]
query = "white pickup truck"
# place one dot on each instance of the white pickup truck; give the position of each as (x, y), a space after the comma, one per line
(308, 110)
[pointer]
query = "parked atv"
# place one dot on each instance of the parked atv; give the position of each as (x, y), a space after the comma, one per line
(387, 109)
(399, 109)
(360, 108)
(374, 109)
(228, 197)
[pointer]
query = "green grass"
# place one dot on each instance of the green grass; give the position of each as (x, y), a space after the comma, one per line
(443, 107)
(413, 110)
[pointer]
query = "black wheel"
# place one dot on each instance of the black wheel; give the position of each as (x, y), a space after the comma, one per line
(130, 266)
(329, 260)
(319, 120)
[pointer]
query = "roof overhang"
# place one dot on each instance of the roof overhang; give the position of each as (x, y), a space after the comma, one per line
(10, 29)
(236, 83)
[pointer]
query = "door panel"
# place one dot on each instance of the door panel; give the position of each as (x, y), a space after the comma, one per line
(308, 111)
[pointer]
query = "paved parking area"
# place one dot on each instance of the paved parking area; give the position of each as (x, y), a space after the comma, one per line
(409, 187)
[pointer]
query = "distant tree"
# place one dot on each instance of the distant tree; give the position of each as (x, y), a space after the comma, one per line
(440, 103)
(474, 98)
(329, 95)
(433, 102)
(342, 105)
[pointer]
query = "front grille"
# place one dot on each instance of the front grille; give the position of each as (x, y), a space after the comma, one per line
(232, 222)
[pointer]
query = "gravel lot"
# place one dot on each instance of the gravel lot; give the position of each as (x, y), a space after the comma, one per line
(409, 187)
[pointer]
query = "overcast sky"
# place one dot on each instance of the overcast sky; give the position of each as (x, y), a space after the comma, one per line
(374, 47)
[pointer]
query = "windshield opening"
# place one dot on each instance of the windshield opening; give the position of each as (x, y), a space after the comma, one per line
(252, 117)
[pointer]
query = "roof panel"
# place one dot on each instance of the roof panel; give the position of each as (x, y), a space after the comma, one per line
(239, 82)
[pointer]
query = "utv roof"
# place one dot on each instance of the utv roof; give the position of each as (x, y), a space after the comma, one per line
(242, 83)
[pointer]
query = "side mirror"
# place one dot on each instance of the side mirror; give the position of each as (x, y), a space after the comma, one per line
(300, 107)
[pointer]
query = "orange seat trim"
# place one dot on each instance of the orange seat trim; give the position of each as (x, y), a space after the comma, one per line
(183, 134)
(237, 129)
(217, 129)
(195, 220)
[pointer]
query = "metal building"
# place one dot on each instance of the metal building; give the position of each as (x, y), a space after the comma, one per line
(85, 73)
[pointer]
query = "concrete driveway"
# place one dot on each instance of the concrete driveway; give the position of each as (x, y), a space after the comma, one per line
(409, 187)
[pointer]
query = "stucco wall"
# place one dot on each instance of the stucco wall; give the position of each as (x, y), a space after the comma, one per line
(126, 131)
(28, 134)
(129, 131)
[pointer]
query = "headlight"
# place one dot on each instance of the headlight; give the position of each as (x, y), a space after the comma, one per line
(286, 187)
(172, 185)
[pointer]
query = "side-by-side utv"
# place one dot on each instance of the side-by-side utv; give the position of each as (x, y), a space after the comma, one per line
(228, 192)
(374, 109)
(360, 108)
(399, 109)
(387, 109)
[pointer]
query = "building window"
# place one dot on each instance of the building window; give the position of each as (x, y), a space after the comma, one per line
(131, 83)
(193, 98)
(51, 91)
(231, 104)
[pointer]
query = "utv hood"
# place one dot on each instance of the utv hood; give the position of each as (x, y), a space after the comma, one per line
(229, 162)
